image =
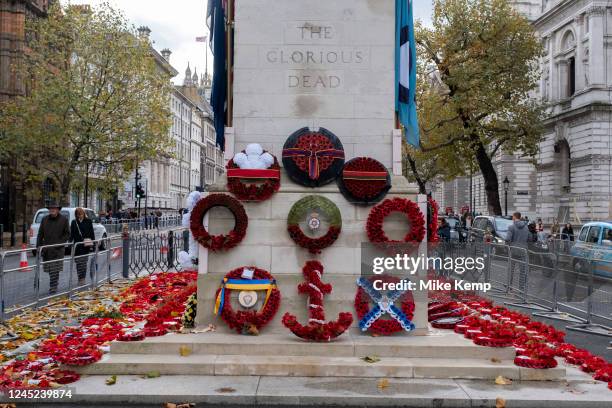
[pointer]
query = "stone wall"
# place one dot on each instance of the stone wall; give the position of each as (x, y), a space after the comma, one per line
(317, 63)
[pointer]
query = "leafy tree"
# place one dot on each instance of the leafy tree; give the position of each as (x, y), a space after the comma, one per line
(485, 58)
(97, 101)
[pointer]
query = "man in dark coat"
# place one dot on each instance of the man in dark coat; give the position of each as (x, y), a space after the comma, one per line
(517, 238)
(54, 230)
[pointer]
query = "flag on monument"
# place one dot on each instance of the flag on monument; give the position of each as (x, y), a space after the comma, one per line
(218, 96)
(405, 70)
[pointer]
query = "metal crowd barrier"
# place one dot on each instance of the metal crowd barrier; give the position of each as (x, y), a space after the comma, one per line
(544, 278)
(148, 222)
(28, 280)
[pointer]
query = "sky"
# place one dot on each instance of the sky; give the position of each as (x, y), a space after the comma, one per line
(176, 24)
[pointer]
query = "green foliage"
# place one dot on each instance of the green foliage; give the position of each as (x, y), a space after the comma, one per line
(478, 67)
(97, 100)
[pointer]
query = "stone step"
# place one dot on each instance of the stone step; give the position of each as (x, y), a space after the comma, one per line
(311, 366)
(440, 344)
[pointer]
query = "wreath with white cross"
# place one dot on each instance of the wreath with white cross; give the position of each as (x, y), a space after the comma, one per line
(370, 318)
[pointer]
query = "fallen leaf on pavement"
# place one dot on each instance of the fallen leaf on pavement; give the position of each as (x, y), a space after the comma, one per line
(185, 351)
(501, 380)
(152, 374)
(495, 360)
(112, 380)
(575, 391)
(371, 359)
(225, 390)
(500, 403)
(8, 406)
(383, 383)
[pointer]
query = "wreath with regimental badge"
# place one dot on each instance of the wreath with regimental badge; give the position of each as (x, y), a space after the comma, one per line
(243, 321)
(253, 174)
(313, 158)
(364, 181)
(218, 242)
(314, 209)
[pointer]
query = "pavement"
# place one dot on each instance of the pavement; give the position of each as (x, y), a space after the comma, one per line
(212, 391)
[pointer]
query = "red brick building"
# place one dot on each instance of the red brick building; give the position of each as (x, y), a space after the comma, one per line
(13, 16)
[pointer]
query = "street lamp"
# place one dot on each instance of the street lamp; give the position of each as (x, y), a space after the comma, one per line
(506, 187)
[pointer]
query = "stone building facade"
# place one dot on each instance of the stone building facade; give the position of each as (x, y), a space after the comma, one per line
(574, 167)
(15, 205)
(572, 176)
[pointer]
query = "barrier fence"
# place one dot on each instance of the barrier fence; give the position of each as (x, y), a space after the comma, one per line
(149, 222)
(30, 278)
(547, 278)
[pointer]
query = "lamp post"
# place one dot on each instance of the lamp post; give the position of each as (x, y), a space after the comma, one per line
(506, 187)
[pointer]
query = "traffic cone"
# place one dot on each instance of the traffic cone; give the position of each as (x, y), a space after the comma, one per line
(23, 262)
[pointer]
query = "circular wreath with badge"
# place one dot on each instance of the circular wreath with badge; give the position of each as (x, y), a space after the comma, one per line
(313, 210)
(313, 158)
(243, 321)
(374, 225)
(222, 241)
(364, 180)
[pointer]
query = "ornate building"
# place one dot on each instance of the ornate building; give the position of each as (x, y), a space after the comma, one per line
(574, 167)
(572, 178)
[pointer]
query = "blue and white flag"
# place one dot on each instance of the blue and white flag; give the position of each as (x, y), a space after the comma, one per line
(405, 70)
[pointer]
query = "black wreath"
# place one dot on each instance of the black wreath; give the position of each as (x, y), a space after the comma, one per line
(302, 177)
(363, 192)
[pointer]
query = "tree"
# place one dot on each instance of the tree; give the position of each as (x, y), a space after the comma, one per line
(485, 56)
(97, 101)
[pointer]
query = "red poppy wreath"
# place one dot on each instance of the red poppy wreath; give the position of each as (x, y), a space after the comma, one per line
(243, 321)
(382, 326)
(433, 209)
(253, 174)
(218, 242)
(374, 225)
(364, 181)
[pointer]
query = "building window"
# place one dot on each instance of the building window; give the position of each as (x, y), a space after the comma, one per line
(562, 149)
(571, 76)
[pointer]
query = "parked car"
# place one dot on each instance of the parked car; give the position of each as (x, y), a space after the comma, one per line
(457, 231)
(68, 212)
(495, 225)
(593, 249)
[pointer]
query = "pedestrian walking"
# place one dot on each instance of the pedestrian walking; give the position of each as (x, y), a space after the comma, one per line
(540, 226)
(533, 232)
(517, 238)
(53, 230)
(444, 231)
(83, 237)
(567, 233)
(555, 229)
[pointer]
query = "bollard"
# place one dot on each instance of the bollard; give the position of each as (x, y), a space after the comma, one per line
(186, 241)
(1, 235)
(170, 250)
(24, 236)
(2, 288)
(13, 235)
(125, 239)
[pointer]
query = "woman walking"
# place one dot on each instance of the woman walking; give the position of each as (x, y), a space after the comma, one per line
(82, 235)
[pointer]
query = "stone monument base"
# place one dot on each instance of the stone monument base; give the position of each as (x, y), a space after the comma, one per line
(441, 354)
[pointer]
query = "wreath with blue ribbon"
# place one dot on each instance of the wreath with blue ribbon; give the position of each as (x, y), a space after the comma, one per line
(243, 320)
(370, 319)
